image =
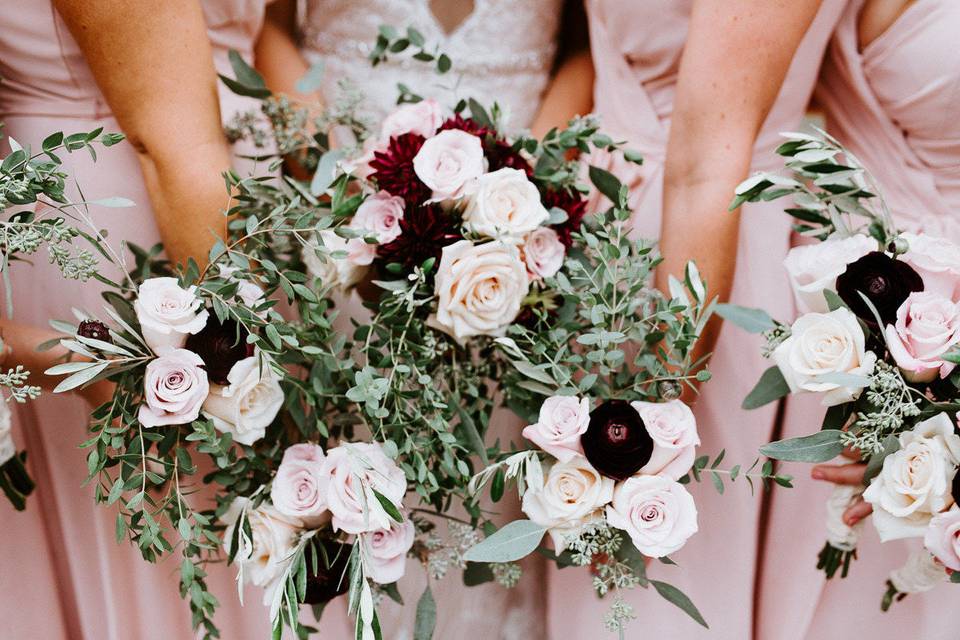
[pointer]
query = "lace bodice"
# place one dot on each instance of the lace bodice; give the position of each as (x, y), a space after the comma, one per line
(501, 52)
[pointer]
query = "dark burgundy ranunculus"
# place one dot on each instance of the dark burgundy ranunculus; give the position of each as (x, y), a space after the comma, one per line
(886, 282)
(424, 232)
(220, 346)
(571, 202)
(617, 443)
(393, 169)
(955, 488)
(329, 581)
(95, 330)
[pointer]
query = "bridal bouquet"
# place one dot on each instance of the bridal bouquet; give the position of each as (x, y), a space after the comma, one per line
(878, 341)
(37, 212)
(598, 366)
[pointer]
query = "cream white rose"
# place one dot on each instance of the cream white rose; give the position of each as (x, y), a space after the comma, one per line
(299, 486)
(822, 345)
(657, 513)
(264, 556)
(385, 551)
(571, 496)
(814, 268)
(675, 438)
(479, 288)
(167, 312)
(448, 162)
(352, 472)
(422, 118)
(915, 481)
(937, 260)
(341, 271)
(543, 252)
(505, 205)
(249, 403)
(562, 420)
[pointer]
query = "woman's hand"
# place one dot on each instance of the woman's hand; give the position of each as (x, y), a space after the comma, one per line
(849, 474)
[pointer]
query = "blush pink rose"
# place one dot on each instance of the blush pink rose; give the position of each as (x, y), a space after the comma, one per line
(175, 386)
(927, 327)
(543, 252)
(380, 214)
(448, 162)
(656, 512)
(937, 260)
(422, 118)
(562, 420)
(352, 472)
(385, 551)
(298, 486)
(675, 438)
(942, 538)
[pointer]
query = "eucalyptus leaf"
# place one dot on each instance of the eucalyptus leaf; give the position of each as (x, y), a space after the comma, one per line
(426, 618)
(748, 319)
(818, 447)
(508, 544)
(772, 386)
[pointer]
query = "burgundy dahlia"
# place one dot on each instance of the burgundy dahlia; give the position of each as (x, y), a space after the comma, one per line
(220, 346)
(95, 330)
(331, 579)
(393, 169)
(885, 281)
(570, 201)
(424, 232)
(617, 443)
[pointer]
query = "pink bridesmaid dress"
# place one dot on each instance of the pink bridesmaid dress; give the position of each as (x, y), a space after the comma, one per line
(62, 574)
(636, 52)
(894, 105)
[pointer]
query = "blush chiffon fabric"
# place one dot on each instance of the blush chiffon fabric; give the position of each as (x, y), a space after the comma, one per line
(63, 574)
(636, 52)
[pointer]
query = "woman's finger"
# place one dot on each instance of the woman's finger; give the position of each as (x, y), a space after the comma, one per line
(857, 512)
(851, 454)
(851, 474)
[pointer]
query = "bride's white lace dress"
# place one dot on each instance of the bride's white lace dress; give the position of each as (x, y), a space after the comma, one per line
(501, 51)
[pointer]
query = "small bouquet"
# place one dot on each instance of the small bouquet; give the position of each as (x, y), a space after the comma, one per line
(598, 367)
(37, 212)
(878, 341)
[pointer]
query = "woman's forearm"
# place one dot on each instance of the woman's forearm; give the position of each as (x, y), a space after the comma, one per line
(154, 64)
(277, 56)
(569, 94)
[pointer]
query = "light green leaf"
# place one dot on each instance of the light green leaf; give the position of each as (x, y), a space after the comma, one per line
(748, 319)
(673, 595)
(772, 386)
(81, 377)
(818, 447)
(426, 618)
(115, 201)
(514, 541)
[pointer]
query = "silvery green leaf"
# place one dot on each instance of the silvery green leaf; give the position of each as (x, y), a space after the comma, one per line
(66, 368)
(844, 379)
(752, 320)
(534, 372)
(677, 292)
(795, 135)
(101, 345)
(115, 202)
(325, 171)
(680, 599)
(63, 327)
(815, 155)
(426, 618)
(783, 181)
(510, 346)
(508, 544)
(749, 183)
(772, 386)
(311, 80)
(695, 281)
(557, 216)
(818, 447)
(81, 377)
(76, 347)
